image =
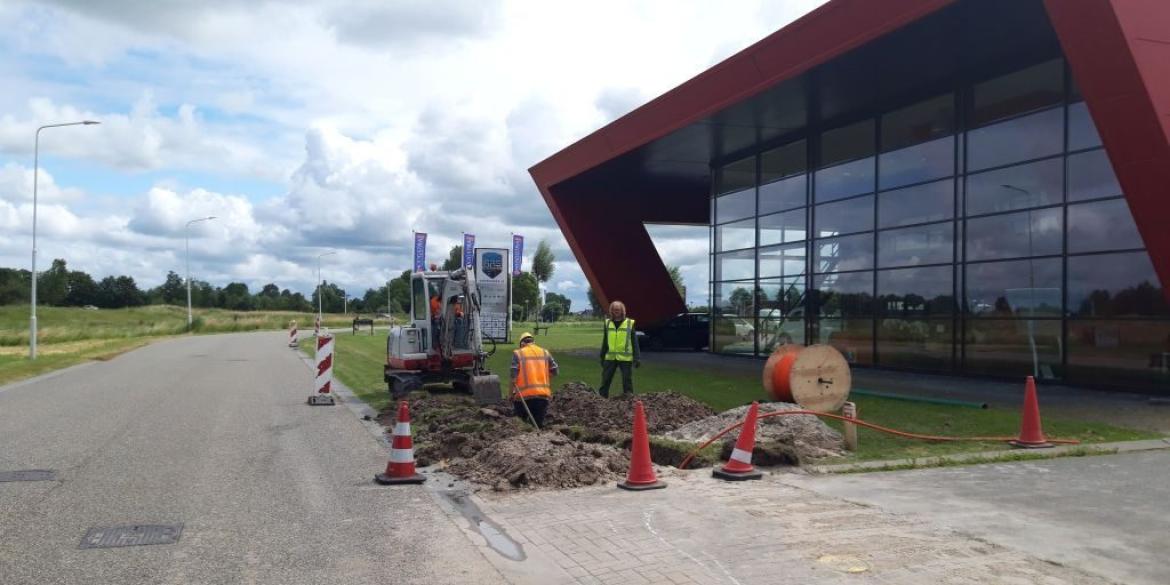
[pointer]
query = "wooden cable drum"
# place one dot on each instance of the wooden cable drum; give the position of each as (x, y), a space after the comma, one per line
(816, 377)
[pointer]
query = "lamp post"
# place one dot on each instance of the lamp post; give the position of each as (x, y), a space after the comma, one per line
(32, 320)
(319, 257)
(187, 246)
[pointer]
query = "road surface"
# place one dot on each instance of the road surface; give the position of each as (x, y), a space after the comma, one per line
(213, 433)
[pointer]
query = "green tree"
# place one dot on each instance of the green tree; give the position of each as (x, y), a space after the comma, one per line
(53, 284)
(594, 304)
(526, 291)
(454, 258)
(116, 292)
(677, 279)
(543, 262)
(237, 297)
(565, 303)
(173, 290)
(14, 286)
(331, 298)
(741, 302)
(82, 290)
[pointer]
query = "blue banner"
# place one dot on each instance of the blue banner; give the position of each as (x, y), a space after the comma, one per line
(517, 254)
(420, 252)
(468, 250)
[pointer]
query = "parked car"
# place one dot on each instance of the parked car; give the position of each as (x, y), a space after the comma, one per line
(683, 331)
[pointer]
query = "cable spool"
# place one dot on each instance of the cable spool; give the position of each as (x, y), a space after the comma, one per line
(816, 377)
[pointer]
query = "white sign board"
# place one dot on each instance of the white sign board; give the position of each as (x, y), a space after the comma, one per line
(492, 276)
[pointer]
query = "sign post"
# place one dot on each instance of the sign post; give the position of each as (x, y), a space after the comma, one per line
(495, 292)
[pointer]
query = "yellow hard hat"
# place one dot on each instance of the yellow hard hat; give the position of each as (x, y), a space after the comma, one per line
(526, 335)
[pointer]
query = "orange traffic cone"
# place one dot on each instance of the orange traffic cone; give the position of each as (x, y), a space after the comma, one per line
(400, 469)
(641, 475)
(1031, 435)
(739, 465)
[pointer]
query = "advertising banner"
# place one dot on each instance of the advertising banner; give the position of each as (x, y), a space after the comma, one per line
(493, 281)
(517, 254)
(420, 251)
(468, 250)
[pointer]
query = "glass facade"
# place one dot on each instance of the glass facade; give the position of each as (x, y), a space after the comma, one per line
(980, 230)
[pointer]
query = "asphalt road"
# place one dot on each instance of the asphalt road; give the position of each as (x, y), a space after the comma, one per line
(211, 432)
(1106, 515)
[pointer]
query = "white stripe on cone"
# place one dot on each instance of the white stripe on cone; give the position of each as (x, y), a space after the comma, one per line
(402, 429)
(401, 455)
(741, 456)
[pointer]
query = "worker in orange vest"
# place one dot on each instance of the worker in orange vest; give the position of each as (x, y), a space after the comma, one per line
(532, 370)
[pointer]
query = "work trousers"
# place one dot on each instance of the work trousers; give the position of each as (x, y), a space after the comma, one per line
(608, 367)
(538, 407)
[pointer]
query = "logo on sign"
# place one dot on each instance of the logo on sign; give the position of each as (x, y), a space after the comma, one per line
(493, 264)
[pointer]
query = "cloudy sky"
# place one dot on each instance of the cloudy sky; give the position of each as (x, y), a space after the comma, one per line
(313, 125)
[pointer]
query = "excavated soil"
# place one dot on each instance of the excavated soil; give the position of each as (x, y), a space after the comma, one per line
(576, 404)
(780, 440)
(542, 459)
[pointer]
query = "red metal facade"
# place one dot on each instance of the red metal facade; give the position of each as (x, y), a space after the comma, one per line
(1117, 50)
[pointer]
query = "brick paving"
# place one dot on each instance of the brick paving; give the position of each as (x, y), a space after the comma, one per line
(703, 531)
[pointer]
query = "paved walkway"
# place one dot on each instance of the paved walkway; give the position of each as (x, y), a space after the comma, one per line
(703, 531)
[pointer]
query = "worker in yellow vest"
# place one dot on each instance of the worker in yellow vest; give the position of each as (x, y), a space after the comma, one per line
(532, 370)
(619, 350)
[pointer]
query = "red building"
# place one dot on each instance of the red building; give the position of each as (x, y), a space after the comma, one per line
(966, 186)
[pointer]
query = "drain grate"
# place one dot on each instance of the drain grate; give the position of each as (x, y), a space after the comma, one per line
(139, 535)
(29, 475)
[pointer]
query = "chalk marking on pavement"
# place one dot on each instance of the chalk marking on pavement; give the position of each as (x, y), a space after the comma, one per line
(646, 517)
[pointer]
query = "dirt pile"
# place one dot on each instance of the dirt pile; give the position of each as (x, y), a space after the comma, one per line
(576, 404)
(542, 459)
(447, 427)
(788, 439)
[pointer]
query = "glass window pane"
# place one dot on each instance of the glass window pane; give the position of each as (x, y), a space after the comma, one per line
(927, 244)
(732, 299)
(922, 344)
(1020, 187)
(734, 236)
(1026, 138)
(848, 294)
(852, 337)
(785, 194)
(1101, 226)
(1090, 176)
(843, 217)
(734, 335)
(844, 253)
(735, 265)
(921, 122)
(1082, 132)
(915, 164)
(736, 176)
(1015, 235)
(1114, 285)
(847, 143)
(916, 292)
(919, 204)
(735, 206)
(1026, 90)
(1014, 347)
(782, 228)
(845, 180)
(786, 260)
(780, 312)
(1020, 288)
(1120, 353)
(785, 161)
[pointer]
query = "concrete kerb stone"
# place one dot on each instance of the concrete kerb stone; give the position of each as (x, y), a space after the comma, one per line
(990, 456)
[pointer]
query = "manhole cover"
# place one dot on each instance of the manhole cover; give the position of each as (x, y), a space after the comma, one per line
(29, 475)
(139, 535)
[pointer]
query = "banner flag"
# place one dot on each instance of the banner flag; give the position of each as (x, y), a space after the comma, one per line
(517, 254)
(420, 251)
(468, 250)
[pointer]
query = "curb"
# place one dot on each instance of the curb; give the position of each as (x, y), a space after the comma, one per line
(993, 456)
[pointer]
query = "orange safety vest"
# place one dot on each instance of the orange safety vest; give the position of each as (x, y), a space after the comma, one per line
(435, 306)
(532, 381)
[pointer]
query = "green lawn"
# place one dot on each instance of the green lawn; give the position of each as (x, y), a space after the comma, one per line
(70, 335)
(359, 366)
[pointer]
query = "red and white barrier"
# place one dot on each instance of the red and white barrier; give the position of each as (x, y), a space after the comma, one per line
(323, 382)
(400, 469)
(292, 334)
(317, 327)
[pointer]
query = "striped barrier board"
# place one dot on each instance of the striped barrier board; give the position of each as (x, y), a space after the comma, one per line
(292, 334)
(323, 381)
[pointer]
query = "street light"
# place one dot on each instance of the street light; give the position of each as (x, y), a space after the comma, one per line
(32, 320)
(187, 245)
(319, 257)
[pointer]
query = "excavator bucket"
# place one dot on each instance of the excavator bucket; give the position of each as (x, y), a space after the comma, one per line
(486, 389)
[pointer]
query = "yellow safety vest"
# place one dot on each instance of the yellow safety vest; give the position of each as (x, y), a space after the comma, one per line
(532, 381)
(620, 341)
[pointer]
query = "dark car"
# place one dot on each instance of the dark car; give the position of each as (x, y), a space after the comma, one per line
(684, 331)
